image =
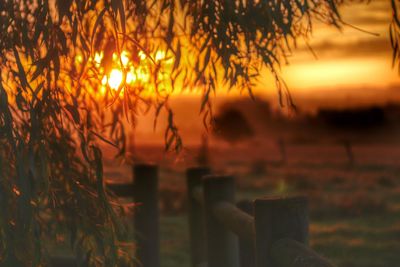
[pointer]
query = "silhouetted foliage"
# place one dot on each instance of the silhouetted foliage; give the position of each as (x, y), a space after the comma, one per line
(355, 119)
(232, 126)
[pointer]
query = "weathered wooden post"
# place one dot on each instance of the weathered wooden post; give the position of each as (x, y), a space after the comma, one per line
(194, 178)
(222, 244)
(146, 214)
(247, 253)
(278, 218)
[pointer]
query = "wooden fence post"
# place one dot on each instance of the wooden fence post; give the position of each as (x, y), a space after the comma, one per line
(146, 215)
(247, 253)
(198, 249)
(349, 152)
(277, 218)
(222, 244)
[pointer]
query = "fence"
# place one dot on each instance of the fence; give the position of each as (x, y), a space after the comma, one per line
(144, 190)
(276, 236)
(268, 232)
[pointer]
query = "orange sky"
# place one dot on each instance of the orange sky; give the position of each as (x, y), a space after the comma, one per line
(352, 68)
(348, 63)
(349, 58)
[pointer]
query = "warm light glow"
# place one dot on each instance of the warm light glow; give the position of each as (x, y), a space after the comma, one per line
(79, 59)
(142, 75)
(124, 72)
(104, 80)
(124, 58)
(98, 56)
(131, 77)
(160, 55)
(337, 73)
(142, 55)
(115, 78)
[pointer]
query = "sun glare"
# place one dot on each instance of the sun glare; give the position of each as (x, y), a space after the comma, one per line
(97, 58)
(127, 72)
(115, 78)
(124, 58)
(131, 77)
(160, 55)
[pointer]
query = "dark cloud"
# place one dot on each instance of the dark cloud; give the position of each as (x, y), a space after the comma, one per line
(365, 47)
(371, 7)
(375, 13)
(368, 20)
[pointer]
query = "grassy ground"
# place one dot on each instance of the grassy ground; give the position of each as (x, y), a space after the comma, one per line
(174, 241)
(368, 241)
(357, 242)
(355, 212)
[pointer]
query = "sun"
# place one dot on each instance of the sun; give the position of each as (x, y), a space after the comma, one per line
(115, 78)
(125, 72)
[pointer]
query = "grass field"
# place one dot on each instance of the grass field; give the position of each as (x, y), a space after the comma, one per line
(372, 241)
(355, 224)
(354, 210)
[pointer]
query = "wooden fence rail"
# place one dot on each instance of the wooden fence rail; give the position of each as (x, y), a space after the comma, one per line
(267, 232)
(236, 220)
(276, 236)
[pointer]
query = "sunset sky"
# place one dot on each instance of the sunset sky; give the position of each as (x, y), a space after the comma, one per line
(350, 57)
(347, 64)
(348, 60)
(351, 68)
